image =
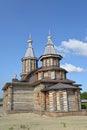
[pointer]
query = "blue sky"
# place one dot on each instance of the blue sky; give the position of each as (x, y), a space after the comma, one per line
(67, 20)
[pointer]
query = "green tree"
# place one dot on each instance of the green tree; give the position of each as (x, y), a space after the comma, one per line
(1, 99)
(84, 95)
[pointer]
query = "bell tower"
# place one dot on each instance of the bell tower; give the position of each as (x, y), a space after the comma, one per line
(50, 57)
(29, 61)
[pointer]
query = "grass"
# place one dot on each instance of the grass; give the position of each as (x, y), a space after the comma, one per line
(23, 126)
(64, 124)
(30, 121)
(11, 128)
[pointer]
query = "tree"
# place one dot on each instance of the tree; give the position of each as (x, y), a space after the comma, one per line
(84, 95)
(1, 99)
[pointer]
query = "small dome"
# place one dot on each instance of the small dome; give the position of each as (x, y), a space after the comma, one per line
(15, 76)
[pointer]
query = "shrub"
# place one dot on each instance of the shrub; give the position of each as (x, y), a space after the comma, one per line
(11, 128)
(84, 106)
(23, 126)
(1, 99)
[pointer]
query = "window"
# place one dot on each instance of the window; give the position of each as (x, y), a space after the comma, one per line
(48, 62)
(26, 65)
(51, 62)
(45, 74)
(53, 75)
(39, 98)
(44, 63)
(32, 64)
(39, 76)
(23, 67)
(47, 98)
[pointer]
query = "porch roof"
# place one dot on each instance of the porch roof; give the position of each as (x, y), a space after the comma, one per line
(61, 86)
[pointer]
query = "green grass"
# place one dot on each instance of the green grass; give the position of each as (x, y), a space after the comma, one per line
(11, 128)
(64, 124)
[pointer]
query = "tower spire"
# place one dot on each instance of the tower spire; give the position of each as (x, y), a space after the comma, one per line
(29, 51)
(30, 39)
(30, 36)
(49, 49)
(29, 62)
(49, 35)
(49, 32)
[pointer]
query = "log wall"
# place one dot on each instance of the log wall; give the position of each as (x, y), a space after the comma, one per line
(26, 98)
(71, 100)
(22, 98)
(39, 98)
(51, 62)
(62, 101)
(7, 99)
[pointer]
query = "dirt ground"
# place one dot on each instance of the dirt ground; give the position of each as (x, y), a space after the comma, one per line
(30, 121)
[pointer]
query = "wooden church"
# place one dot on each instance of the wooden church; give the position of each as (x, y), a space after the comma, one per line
(44, 89)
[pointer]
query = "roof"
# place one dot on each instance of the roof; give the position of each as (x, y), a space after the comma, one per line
(60, 86)
(29, 51)
(51, 55)
(63, 83)
(14, 83)
(49, 49)
(84, 101)
(52, 68)
(47, 79)
(25, 78)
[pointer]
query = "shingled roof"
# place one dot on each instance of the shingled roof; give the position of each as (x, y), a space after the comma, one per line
(49, 49)
(29, 51)
(60, 86)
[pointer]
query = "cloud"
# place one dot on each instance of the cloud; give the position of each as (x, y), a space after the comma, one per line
(73, 46)
(72, 68)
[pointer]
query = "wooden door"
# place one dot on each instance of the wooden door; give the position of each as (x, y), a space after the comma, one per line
(47, 101)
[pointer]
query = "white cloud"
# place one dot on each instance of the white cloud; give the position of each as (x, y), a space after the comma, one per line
(73, 46)
(72, 68)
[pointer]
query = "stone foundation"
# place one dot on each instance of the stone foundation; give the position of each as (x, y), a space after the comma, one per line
(62, 114)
